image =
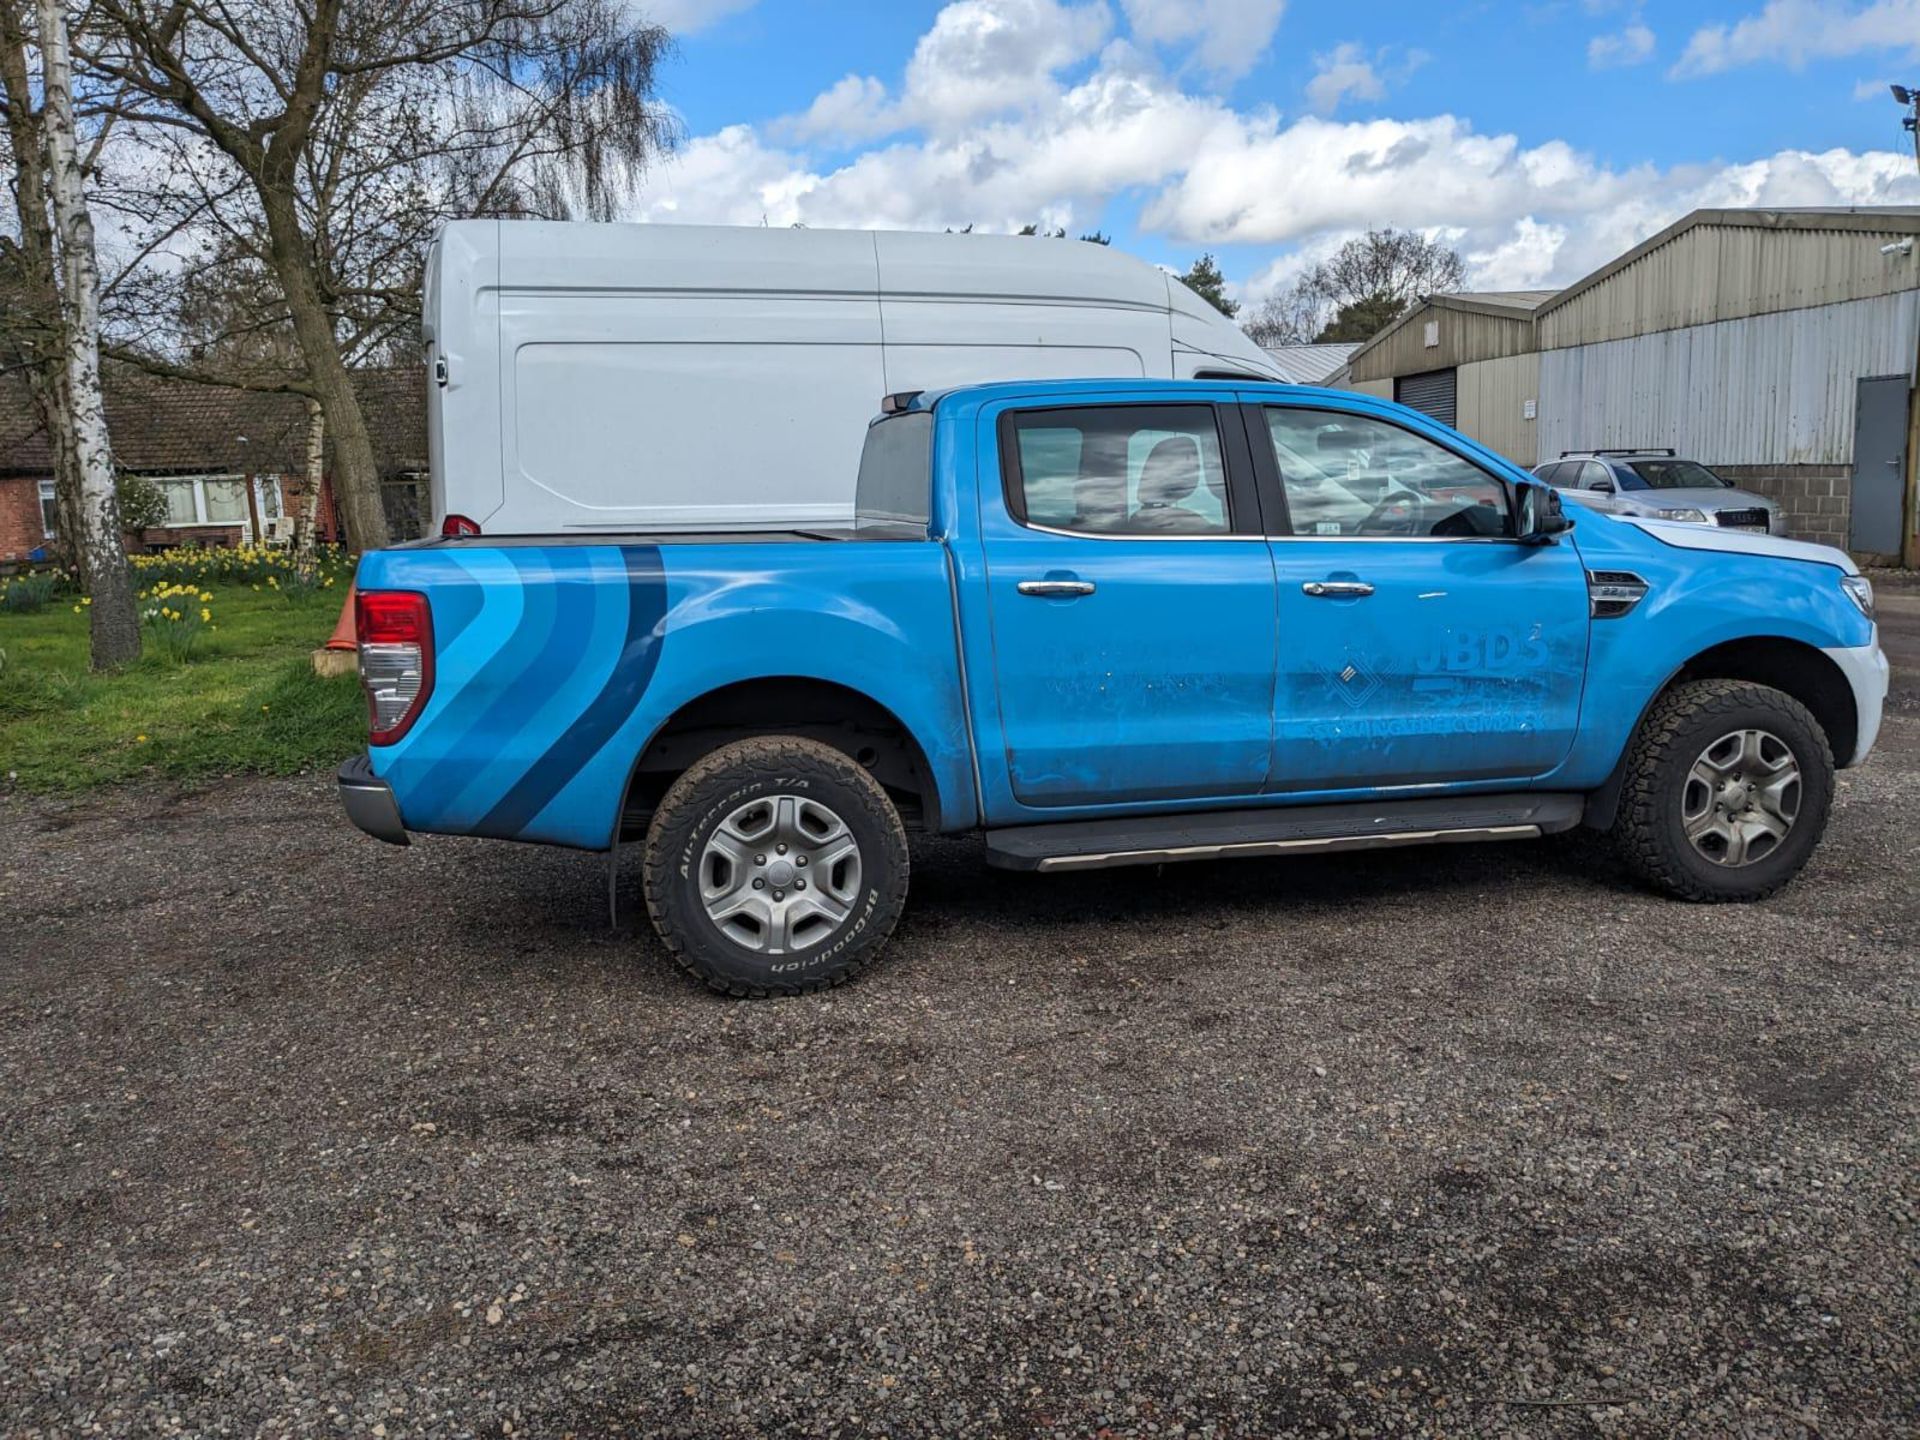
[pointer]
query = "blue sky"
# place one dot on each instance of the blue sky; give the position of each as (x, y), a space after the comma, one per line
(1540, 139)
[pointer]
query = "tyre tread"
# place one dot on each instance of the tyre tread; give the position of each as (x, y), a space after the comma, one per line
(1638, 833)
(761, 752)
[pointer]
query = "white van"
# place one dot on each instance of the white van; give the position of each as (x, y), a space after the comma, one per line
(685, 377)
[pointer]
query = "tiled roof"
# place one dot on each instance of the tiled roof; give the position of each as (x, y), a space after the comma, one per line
(163, 427)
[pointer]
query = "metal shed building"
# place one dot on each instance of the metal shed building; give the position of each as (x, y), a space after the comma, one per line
(1468, 360)
(1777, 346)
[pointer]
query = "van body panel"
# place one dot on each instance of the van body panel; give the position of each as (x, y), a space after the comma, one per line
(591, 369)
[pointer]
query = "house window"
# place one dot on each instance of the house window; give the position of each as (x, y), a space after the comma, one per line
(226, 501)
(48, 510)
(183, 501)
(217, 499)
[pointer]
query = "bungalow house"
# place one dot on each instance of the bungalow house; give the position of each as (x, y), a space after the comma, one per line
(230, 463)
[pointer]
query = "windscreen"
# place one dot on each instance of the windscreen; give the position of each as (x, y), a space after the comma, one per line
(896, 473)
(1676, 475)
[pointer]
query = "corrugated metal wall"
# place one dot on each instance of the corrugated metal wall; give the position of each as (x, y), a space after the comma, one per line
(1464, 336)
(1493, 397)
(1380, 389)
(1773, 389)
(1713, 273)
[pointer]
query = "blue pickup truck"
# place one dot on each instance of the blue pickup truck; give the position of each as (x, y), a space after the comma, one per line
(1111, 623)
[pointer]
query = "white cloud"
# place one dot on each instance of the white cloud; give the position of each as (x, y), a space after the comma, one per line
(1796, 31)
(1228, 37)
(996, 154)
(1346, 71)
(1631, 46)
(980, 58)
(684, 17)
(1526, 257)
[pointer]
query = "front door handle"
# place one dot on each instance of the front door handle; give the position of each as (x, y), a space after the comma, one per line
(1337, 589)
(1055, 589)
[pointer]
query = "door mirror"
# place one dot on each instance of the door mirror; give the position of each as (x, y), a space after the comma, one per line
(1605, 487)
(1538, 514)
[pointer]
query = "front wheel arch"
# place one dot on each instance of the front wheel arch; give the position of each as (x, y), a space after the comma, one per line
(1792, 667)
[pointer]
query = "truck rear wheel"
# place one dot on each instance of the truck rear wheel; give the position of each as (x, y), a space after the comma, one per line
(775, 866)
(1727, 790)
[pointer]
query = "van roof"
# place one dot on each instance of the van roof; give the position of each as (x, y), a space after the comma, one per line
(1175, 390)
(572, 255)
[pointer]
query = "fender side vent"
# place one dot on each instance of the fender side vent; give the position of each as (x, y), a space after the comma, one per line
(1612, 593)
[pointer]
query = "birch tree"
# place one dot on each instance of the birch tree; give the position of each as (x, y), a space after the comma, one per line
(115, 627)
(308, 520)
(30, 326)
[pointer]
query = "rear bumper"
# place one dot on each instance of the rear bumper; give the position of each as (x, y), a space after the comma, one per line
(369, 801)
(1865, 667)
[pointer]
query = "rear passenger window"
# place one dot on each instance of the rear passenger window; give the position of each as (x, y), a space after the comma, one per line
(1119, 470)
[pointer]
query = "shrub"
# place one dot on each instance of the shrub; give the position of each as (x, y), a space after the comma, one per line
(142, 506)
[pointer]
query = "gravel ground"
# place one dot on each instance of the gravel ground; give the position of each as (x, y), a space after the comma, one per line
(304, 1135)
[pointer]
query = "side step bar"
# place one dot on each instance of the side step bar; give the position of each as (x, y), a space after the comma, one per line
(1302, 829)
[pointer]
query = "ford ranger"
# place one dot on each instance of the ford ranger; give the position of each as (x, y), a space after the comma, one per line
(1113, 623)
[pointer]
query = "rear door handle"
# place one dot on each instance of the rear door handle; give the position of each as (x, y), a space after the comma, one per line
(1055, 589)
(1337, 589)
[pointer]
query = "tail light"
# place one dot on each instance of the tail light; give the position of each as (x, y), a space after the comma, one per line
(395, 629)
(457, 525)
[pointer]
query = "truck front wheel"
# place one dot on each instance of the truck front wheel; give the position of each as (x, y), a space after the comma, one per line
(775, 866)
(1727, 790)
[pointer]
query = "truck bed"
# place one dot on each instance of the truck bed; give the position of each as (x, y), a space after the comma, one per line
(811, 535)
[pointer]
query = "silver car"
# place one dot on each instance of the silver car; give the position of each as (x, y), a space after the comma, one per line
(1656, 485)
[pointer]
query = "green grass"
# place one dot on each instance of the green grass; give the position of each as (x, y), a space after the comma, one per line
(246, 702)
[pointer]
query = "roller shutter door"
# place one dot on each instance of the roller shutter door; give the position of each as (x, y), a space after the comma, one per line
(1432, 394)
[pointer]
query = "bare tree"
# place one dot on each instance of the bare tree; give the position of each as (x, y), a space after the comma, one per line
(322, 142)
(1289, 316)
(1367, 284)
(103, 557)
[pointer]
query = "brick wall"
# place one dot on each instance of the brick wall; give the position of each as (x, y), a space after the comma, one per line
(1814, 497)
(20, 529)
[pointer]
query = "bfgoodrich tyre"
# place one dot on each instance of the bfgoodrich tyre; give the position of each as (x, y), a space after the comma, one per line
(775, 866)
(1727, 791)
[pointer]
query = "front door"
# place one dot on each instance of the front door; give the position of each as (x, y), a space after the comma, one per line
(1420, 644)
(1879, 465)
(1131, 597)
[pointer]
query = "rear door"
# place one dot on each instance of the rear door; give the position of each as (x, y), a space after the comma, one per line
(1420, 644)
(1130, 591)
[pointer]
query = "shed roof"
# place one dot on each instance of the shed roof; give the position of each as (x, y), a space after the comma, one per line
(160, 426)
(1309, 364)
(1877, 218)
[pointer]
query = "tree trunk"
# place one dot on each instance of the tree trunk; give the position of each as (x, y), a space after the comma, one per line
(103, 556)
(41, 355)
(356, 476)
(309, 519)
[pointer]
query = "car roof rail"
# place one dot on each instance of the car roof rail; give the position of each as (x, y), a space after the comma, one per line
(1629, 450)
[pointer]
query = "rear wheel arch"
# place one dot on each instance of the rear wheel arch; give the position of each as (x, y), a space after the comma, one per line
(846, 719)
(1792, 667)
